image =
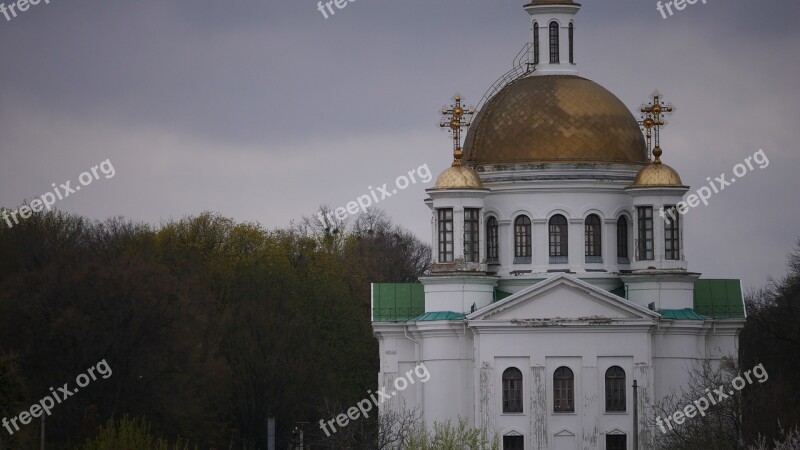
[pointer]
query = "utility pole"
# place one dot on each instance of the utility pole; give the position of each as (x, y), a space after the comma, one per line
(42, 445)
(635, 415)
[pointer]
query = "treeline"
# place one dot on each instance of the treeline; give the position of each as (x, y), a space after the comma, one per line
(210, 326)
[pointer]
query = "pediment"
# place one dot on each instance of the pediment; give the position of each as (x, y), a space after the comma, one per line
(563, 297)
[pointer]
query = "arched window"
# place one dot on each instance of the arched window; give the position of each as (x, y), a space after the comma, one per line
(563, 390)
(522, 240)
(554, 42)
(492, 241)
(512, 390)
(615, 389)
(471, 234)
(558, 240)
(622, 241)
(536, 43)
(571, 46)
(594, 247)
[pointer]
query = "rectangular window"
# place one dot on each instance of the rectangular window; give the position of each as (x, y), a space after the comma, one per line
(622, 241)
(471, 235)
(672, 230)
(571, 49)
(536, 43)
(513, 443)
(645, 237)
(616, 442)
(445, 235)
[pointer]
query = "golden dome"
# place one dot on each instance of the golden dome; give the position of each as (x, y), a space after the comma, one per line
(657, 174)
(554, 118)
(458, 177)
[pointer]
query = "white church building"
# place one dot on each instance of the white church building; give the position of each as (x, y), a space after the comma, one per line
(559, 277)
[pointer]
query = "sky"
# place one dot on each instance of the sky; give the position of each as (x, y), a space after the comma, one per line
(266, 110)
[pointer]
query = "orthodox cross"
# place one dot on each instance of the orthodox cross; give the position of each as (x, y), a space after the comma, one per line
(455, 118)
(653, 115)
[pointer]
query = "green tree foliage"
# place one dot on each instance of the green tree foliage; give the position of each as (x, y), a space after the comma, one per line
(210, 326)
(130, 434)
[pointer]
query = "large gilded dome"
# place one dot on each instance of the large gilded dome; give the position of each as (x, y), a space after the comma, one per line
(554, 118)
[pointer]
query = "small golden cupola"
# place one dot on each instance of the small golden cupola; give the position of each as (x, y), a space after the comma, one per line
(457, 176)
(656, 173)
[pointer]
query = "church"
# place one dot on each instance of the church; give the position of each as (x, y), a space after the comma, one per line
(559, 306)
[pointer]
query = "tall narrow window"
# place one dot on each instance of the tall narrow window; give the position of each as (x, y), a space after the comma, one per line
(594, 247)
(616, 442)
(445, 235)
(522, 240)
(492, 241)
(644, 215)
(512, 390)
(536, 43)
(554, 42)
(558, 240)
(563, 390)
(471, 235)
(622, 241)
(513, 442)
(672, 233)
(571, 46)
(615, 389)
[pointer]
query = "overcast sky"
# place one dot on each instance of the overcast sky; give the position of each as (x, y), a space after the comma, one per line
(265, 110)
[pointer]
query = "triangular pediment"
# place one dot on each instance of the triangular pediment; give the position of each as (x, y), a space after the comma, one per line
(563, 297)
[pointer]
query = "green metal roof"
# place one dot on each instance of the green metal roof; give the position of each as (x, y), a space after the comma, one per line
(438, 315)
(499, 295)
(397, 302)
(681, 314)
(720, 299)
(619, 291)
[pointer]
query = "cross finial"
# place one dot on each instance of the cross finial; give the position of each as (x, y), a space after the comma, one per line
(653, 115)
(455, 118)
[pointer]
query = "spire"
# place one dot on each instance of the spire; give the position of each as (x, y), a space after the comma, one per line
(455, 118)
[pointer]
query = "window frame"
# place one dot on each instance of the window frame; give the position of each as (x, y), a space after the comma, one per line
(563, 390)
(492, 240)
(616, 390)
(558, 239)
(523, 245)
(536, 42)
(672, 233)
(555, 47)
(512, 391)
(593, 239)
(645, 225)
(571, 43)
(623, 241)
(472, 235)
(446, 236)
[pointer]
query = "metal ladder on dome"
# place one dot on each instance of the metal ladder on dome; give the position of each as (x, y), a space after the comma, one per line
(522, 66)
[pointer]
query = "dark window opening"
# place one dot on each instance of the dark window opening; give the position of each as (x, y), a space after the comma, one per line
(512, 390)
(445, 235)
(554, 58)
(522, 240)
(492, 240)
(563, 390)
(471, 235)
(644, 215)
(615, 389)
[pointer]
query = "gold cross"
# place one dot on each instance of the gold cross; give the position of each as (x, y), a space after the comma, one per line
(653, 114)
(455, 118)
